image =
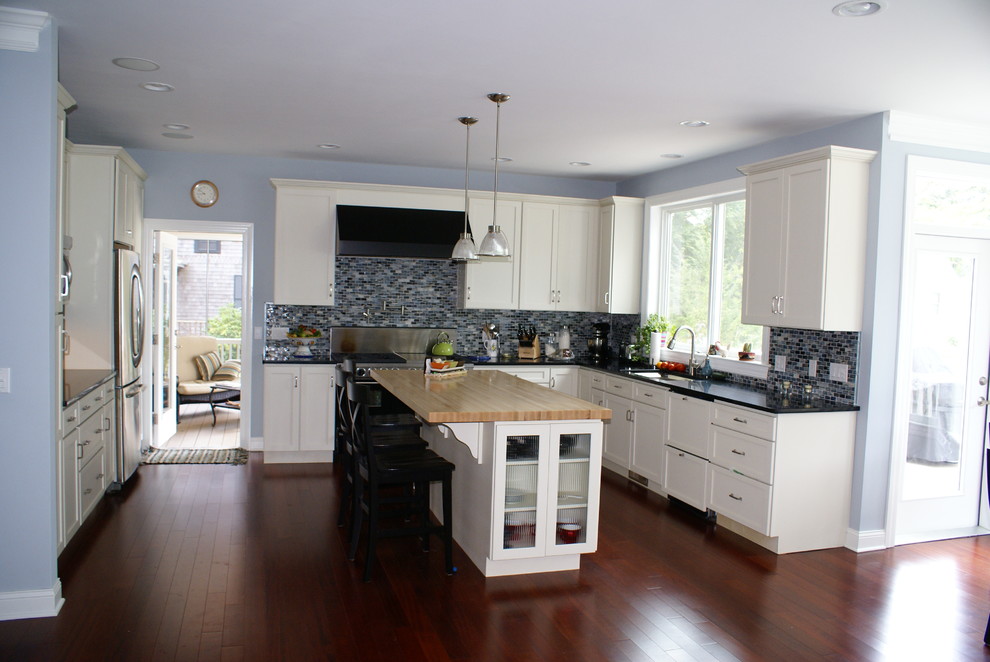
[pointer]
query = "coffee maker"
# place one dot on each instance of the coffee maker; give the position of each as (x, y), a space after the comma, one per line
(598, 343)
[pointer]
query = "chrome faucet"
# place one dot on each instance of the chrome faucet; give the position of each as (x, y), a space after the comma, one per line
(692, 366)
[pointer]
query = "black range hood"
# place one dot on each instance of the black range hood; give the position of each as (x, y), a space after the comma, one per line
(396, 232)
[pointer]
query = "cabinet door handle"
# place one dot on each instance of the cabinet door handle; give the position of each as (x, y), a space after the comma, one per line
(733, 496)
(553, 382)
(99, 476)
(87, 407)
(88, 490)
(106, 425)
(738, 452)
(79, 452)
(632, 416)
(780, 305)
(98, 430)
(469, 294)
(680, 455)
(330, 289)
(606, 298)
(295, 381)
(740, 420)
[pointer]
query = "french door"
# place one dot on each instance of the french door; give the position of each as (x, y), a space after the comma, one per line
(943, 420)
(164, 337)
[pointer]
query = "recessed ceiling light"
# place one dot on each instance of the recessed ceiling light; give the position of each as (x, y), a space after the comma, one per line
(857, 8)
(502, 159)
(176, 127)
(580, 164)
(157, 87)
(177, 136)
(694, 124)
(135, 63)
(328, 146)
(671, 156)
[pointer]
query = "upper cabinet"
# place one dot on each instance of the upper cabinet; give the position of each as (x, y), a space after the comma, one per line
(305, 243)
(128, 202)
(493, 282)
(559, 244)
(620, 256)
(805, 257)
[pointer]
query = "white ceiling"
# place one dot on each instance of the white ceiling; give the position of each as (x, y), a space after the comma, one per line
(596, 81)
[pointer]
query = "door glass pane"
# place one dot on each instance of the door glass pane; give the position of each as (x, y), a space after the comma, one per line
(690, 270)
(940, 349)
(522, 458)
(572, 488)
(165, 330)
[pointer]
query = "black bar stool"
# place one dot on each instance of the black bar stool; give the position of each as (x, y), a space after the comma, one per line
(376, 472)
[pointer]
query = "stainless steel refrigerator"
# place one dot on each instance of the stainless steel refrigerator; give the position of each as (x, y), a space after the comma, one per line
(129, 338)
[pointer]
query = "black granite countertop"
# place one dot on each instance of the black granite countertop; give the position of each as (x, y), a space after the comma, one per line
(705, 389)
(77, 383)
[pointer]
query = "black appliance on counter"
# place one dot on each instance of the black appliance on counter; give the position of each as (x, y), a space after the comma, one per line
(598, 343)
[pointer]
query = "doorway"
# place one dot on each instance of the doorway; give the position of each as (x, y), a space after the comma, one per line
(201, 292)
(944, 358)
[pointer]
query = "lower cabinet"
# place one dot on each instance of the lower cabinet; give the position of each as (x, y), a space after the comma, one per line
(546, 480)
(85, 457)
(299, 413)
(686, 476)
(649, 426)
(558, 378)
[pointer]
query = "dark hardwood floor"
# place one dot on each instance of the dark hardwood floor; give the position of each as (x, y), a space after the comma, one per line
(218, 562)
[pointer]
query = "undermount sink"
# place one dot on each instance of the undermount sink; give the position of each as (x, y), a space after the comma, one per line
(658, 375)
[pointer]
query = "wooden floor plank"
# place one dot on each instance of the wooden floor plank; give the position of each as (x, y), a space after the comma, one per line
(246, 563)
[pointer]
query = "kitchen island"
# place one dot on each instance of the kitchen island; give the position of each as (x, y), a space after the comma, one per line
(526, 487)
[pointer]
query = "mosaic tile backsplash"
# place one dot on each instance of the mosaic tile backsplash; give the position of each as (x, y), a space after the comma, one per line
(385, 292)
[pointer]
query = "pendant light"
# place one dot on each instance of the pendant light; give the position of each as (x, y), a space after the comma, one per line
(495, 243)
(464, 248)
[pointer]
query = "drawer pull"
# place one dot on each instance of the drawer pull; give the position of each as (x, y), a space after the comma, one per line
(680, 455)
(737, 452)
(647, 395)
(87, 407)
(99, 398)
(740, 420)
(733, 496)
(88, 490)
(99, 476)
(70, 419)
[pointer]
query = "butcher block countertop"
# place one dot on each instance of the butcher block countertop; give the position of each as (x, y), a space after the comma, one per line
(483, 395)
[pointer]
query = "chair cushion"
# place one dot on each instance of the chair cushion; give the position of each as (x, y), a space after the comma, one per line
(207, 364)
(230, 371)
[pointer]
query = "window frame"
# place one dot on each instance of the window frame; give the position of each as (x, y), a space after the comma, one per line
(656, 264)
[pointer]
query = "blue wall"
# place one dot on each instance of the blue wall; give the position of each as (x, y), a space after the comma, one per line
(27, 335)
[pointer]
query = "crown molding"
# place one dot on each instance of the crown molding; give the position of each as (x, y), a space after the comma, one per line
(908, 128)
(20, 28)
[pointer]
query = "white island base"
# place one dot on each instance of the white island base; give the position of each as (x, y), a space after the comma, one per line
(525, 494)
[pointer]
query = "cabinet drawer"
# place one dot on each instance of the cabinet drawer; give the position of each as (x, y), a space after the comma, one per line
(536, 375)
(743, 453)
(685, 477)
(745, 420)
(597, 379)
(92, 437)
(688, 423)
(70, 418)
(90, 403)
(740, 498)
(655, 396)
(619, 386)
(92, 482)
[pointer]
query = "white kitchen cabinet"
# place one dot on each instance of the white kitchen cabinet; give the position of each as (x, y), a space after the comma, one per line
(805, 246)
(493, 282)
(620, 255)
(649, 432)
(590, 381)
(558, 378)
(85, 457)
(305, 243)
(546, 482)
(299, 413)
(685, 477)
(564, 379)
(128, 202)
(685, 472)
(93, 190)
(783, 481)
(619, 430)
(688, 426)
(558, 250)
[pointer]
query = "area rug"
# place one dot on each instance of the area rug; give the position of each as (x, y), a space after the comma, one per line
(193, 456)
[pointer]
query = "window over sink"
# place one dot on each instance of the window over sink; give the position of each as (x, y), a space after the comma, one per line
(695, 269)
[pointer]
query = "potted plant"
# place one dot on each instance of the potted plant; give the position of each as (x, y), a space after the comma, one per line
(652, 336)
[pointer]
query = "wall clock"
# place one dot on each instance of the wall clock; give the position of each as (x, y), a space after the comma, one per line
(204, 193)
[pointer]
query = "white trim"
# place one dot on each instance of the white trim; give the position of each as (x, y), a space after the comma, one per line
(246, 230)
(724, 187)
(31, 604)
(921, 130)
(866, 541)
(256, 444)
(20, 29)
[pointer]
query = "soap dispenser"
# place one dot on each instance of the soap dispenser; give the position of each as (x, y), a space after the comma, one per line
(706, 370)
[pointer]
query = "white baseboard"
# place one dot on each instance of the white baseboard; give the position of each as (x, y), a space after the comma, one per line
(866, 541)
(15, 605)
(256, 444)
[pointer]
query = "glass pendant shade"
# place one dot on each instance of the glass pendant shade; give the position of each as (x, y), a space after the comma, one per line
(464, 248)
(495, 243)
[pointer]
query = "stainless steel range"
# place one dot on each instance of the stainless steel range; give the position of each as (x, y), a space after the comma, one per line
(379, 348)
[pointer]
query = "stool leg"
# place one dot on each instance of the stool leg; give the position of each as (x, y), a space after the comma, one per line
(423, 497)
(448, 538)
(356, 515)
(372, 533)
(347, 489)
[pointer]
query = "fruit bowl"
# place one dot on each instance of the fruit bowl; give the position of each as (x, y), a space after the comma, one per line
(303, 346)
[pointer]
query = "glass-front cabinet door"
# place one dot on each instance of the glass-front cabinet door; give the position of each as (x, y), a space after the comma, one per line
(575, 476)
(546, 489)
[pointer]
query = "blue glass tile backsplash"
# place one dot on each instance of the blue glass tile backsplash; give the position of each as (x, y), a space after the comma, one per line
(387, 292)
